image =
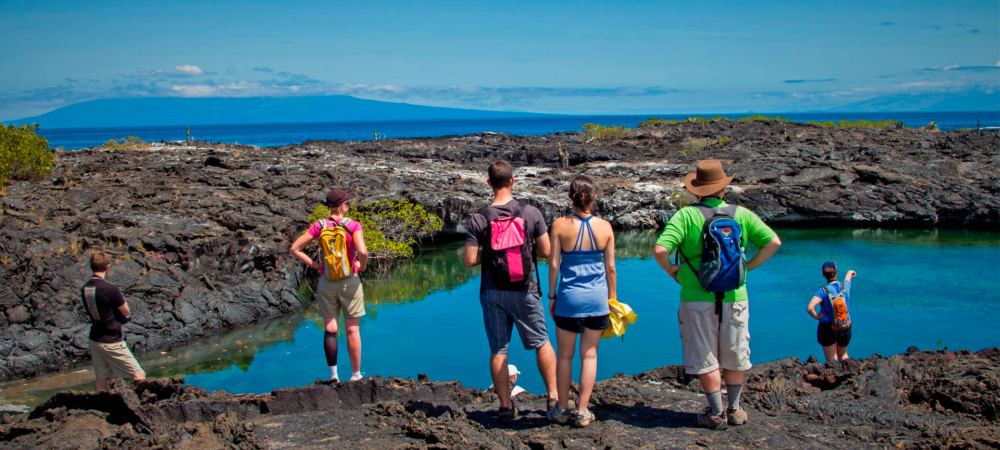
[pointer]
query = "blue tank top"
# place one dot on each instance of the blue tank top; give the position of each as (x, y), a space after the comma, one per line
(583, 285)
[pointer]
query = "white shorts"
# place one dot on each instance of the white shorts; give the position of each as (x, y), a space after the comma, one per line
(709, 345)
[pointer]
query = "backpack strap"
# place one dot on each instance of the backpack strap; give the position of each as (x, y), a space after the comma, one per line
(90, 301)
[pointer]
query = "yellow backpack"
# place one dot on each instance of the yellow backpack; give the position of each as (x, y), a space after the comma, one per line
(333, 243)
(621, 317)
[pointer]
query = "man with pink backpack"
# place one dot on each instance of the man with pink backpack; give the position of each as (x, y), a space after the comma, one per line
(506, 238)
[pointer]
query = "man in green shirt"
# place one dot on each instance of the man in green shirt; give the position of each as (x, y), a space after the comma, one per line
(711, 340)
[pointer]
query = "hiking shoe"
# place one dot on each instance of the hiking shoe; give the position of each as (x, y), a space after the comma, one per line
(560, 416)
(507, 415)
(736, 417)
(357, 376)
(707, 420)
(554, 403)
(582, 419)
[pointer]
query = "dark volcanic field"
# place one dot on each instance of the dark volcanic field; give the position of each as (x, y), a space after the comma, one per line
(917, 400)
(200, 236)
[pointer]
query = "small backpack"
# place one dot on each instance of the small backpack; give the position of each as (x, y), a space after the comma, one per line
(333, 243)
(508, 257)
(841, 317)
(723, 260)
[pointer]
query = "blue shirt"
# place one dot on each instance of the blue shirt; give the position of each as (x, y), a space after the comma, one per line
(826, 306)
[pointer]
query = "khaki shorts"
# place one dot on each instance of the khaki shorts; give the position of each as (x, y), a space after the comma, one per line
(709, 346)
(345, 294)
(114, 360)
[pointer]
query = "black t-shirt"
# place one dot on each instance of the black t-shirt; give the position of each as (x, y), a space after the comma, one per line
(108, 327)
(477, 231)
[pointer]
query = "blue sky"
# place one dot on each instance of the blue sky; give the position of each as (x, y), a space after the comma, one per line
(544, 56)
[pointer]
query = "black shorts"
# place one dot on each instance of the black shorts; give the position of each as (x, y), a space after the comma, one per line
(577, 324)
(827, 336)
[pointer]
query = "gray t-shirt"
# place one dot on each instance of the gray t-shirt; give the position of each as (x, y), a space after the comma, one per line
(478, 228)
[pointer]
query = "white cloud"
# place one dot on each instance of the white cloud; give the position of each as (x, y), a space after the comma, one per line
(189, 69)
(193, 90)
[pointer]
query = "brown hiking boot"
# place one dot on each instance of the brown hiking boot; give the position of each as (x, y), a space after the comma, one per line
(736, 417)
(707, 420)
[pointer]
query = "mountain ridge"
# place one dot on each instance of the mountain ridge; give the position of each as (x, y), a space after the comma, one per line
(169, 111)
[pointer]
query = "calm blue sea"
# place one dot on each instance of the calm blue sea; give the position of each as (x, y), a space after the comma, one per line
(294, 133)
(926, 288)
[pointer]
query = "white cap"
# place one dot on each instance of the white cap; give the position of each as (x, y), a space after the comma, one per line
(512, 370)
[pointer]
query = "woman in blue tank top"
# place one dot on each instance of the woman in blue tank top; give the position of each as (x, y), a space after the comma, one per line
(583, 265)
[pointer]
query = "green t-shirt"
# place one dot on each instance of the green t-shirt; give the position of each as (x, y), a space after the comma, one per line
(684, 229)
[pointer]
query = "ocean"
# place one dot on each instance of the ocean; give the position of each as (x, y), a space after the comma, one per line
(277, 134)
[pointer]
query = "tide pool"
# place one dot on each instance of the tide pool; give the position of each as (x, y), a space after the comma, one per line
(925, 288)
(928, 288)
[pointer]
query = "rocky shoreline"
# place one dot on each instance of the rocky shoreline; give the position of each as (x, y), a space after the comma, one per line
(916, 400)
(200, 235)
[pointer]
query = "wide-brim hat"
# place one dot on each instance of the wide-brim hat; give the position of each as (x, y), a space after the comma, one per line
(708, 178)
(337, 197)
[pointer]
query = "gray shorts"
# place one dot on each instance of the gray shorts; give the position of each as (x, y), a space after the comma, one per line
(502, 309)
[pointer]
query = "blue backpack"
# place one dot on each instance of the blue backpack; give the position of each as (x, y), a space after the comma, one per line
(723, 261)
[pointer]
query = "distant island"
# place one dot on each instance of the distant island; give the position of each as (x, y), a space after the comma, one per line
(165, 111)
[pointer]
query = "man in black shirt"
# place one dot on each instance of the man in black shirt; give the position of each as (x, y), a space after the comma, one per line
(106, 307)
(509, 292)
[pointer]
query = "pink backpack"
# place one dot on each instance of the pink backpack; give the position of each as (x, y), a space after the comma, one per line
(509, 254)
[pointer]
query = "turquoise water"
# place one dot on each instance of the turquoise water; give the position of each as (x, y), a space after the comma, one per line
(925, 288)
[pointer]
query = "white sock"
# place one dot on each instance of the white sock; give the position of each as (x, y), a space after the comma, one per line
(333, 373)
(356, 374)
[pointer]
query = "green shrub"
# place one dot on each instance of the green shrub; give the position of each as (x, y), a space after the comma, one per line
(392, 228)
(763, 118)
(694, 145)
(24, 155)
(605, 132)
(653, 122)
(860, 123)
(131, 143)
(827, 124)
(870, 124)
(699, 119)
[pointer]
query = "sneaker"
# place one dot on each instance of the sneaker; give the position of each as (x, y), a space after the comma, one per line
(560, 416)
(507, 414)
(582, 419)
(357, 376)
(554, 403)
(335, 379)
(707, 420)
(736, 417)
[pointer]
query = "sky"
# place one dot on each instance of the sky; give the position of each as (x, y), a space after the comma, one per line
(578, 57)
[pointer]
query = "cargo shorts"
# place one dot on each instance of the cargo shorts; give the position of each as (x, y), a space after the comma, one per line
(114, 360)
(502, 310)
(709, 344)
(346, 294)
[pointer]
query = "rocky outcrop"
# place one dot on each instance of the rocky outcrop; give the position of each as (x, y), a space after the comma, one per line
(200, 235)
(916, 400)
